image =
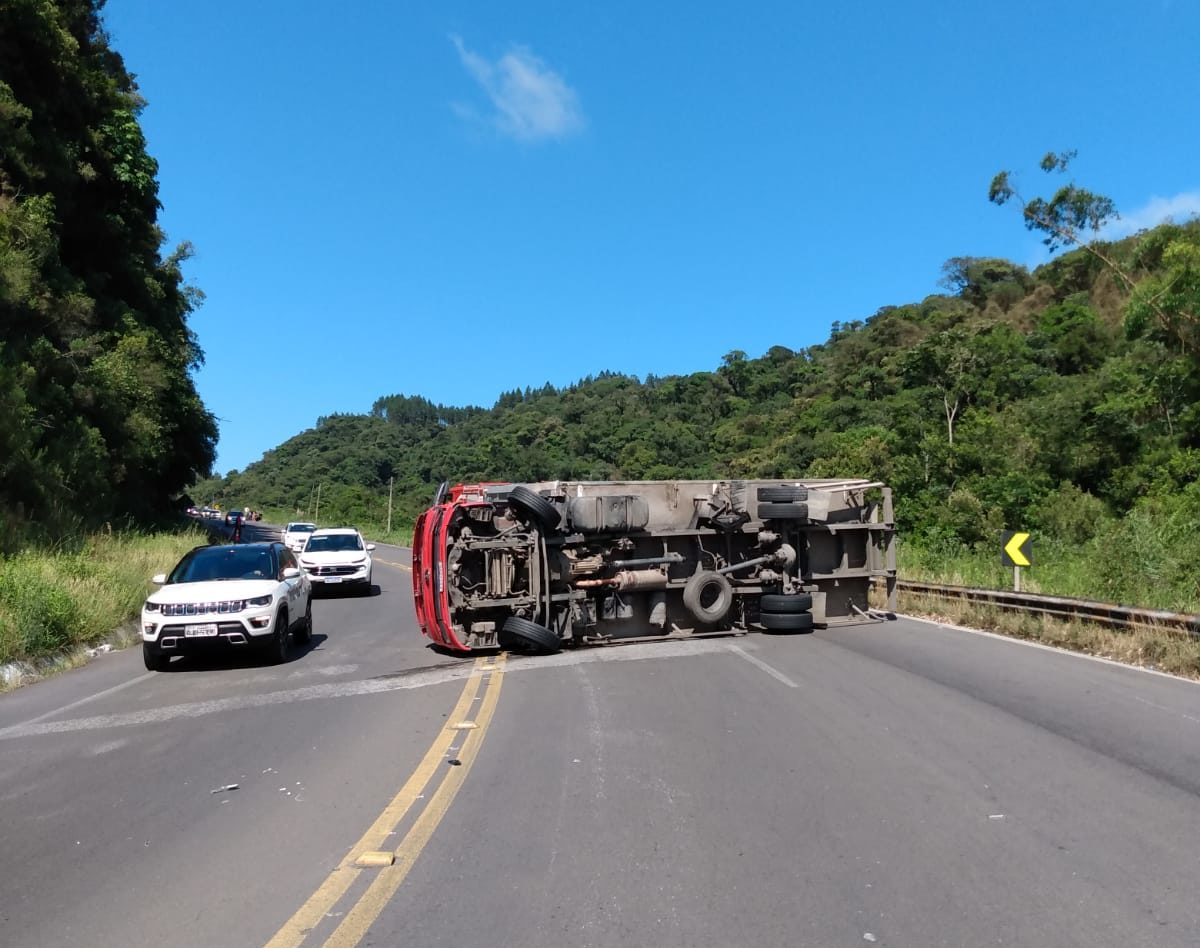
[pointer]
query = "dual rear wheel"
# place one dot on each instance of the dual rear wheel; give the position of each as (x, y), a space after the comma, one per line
(786, 613)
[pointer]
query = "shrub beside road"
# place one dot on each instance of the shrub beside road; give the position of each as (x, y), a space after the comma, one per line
(53, 601)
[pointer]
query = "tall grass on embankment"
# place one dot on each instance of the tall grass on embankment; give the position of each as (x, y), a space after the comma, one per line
(53, 601)
(1148, 558)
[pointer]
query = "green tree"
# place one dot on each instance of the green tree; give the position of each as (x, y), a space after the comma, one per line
(96, 356)
(1172, 300)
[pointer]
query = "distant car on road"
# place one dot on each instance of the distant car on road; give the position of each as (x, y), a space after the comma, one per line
(233, 518)
(193, 512)
(296, 534)
(337, 555)
(252, 595)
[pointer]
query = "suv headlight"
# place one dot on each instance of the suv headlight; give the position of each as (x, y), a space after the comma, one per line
(151, 606)
(259, 601)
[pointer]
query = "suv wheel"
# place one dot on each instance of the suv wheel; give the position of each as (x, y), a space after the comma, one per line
(277, 650)
(155, 661)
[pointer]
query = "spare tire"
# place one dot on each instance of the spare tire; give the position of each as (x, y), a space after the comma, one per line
(521, 635)
(783, 622)
(785, 605)
(534, 507)
(783, 511)
(784, 494)
(708, 596)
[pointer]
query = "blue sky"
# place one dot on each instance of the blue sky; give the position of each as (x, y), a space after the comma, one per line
(458, 199)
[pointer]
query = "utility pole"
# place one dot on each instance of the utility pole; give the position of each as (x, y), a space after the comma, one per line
(317, 512)
(391, 482)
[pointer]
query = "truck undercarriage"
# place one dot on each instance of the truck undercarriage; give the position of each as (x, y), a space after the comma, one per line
(540, 566)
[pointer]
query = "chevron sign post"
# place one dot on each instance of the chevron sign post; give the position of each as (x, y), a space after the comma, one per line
(1015, 552)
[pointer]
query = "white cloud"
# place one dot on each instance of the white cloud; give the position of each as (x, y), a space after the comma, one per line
(1179, 208)
(531, 101)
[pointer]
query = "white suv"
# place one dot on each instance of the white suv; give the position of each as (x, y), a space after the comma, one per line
(243, 595)
(295, 535)
(338, 555)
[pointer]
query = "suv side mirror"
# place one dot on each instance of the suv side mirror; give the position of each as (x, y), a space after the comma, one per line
(158, 579)
(290, 572)
(370, 547)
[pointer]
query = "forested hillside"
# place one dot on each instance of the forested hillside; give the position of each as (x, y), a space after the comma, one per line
(1054, 400)
(99, 416)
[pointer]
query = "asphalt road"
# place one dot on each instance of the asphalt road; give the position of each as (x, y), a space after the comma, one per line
(898, 784)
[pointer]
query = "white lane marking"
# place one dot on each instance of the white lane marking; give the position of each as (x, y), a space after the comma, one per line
(1048, 648)
(75, 704)
(769, 669)
(346, 689)
(1172, 711)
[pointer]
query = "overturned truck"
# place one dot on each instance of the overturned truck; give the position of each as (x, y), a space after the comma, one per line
(540, 566)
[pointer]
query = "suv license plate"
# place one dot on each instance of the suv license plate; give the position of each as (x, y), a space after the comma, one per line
(333, 579)
(201, 631)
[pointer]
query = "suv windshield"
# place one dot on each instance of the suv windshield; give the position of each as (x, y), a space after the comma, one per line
(333, 543)
(224, 562)
(300, 528)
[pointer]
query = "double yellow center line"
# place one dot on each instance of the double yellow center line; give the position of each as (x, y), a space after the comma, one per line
(469, 732)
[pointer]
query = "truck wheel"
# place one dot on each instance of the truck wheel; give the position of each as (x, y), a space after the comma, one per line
(524, 636)
(154, 661)
(787, 622)
(785, 605)
(534, 507)
(776, 511)
(784, 494)
(708, 596)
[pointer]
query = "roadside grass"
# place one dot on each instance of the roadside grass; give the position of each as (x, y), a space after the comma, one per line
(79, 593)
(1160, 649)
(397, 537)
(1135, 569)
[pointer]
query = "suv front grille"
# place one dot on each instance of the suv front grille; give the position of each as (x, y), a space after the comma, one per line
(203, 608)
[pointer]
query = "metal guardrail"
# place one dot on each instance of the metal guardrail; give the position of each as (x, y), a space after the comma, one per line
(1063, 607)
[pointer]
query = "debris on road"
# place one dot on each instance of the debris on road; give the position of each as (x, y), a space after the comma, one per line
(226, 788)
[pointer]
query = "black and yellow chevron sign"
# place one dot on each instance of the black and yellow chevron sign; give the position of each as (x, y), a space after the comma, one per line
(1016, 550)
